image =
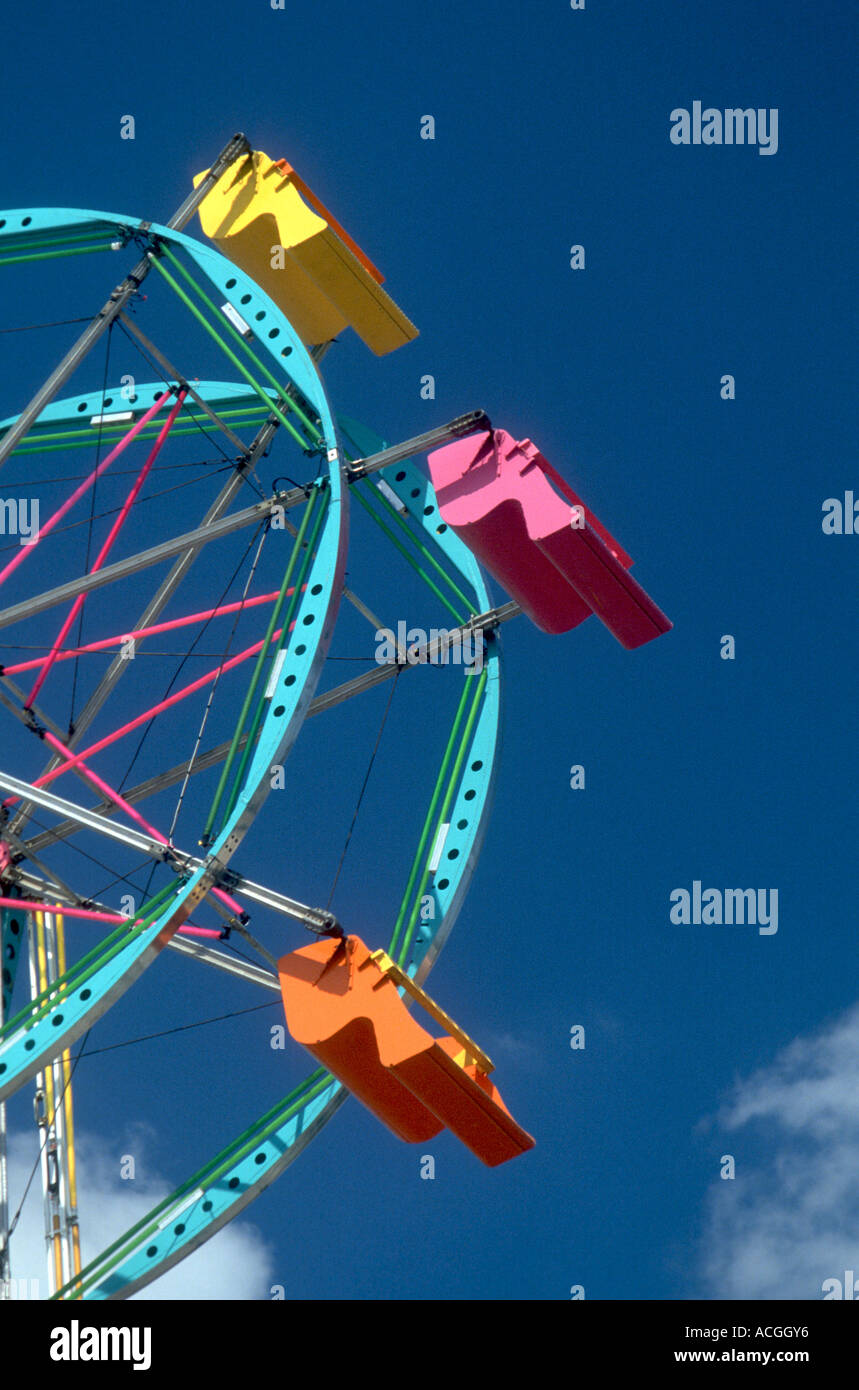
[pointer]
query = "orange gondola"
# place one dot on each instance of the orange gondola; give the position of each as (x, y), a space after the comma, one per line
(343, 1003)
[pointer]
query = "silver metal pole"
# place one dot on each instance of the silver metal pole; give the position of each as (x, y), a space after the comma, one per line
(120, 297)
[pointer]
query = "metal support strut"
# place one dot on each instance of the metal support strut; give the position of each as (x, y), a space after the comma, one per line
(125, 291)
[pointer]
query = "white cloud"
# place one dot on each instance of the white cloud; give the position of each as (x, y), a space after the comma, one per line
(518, 1049)
(790, 1220)
(235, 1264)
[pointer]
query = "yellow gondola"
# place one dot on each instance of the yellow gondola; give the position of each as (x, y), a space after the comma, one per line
(264, 218)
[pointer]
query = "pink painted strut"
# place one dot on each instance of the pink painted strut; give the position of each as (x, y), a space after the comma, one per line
(89, 915)
(156, 628)
(201, 931)
(159, 708)
(85, 485)
(77, 760)
(106, 548)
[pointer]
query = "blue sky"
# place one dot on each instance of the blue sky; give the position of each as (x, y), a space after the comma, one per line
(552, 129)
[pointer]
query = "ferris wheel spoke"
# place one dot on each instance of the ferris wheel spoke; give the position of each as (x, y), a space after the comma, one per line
(135, 634)
(161, 707)
(140, 792)
(27, 718)
(383, 457)
(108, 544)
(102, 691)
(86, 486)
(190, 947)
(317, 918)
(144, 559)
(89, 820)
(162, 853)
(174, 374)
(206, 533)
(17, 710)
(120, 297)
(428, 653)
(51, 876)
(424, 654)
(78, 765)
(168, 586)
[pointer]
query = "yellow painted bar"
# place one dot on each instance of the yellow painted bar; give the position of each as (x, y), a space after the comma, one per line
(42, 966)
(69, 1155)
(472, 1053)
(321, 279)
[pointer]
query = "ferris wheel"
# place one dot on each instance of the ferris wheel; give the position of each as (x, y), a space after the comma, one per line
(108, 769)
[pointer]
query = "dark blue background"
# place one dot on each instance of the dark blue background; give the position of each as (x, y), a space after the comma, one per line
(551, 129)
